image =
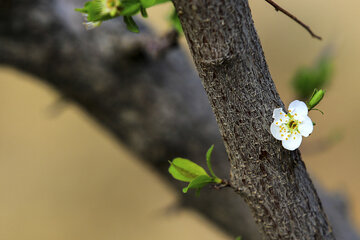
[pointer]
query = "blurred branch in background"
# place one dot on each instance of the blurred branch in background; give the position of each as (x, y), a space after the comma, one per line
(155, 106)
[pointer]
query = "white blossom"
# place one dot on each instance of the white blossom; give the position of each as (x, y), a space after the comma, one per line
(291, 127)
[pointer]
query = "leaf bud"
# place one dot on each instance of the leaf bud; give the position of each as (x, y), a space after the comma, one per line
(316, 98)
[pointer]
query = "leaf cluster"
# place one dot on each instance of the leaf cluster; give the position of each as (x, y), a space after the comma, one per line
(97, 11)
(187, 171)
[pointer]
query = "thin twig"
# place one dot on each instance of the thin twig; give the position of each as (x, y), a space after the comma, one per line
(278, 8)
(225, 183)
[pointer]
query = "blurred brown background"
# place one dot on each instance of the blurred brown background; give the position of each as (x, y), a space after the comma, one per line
(63, 177)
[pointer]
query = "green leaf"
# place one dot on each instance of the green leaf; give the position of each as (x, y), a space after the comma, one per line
(130, 9)
(160, 1)
(150, 3)
(130, 24)
(185, 170)
(238, 238)
(208, 162)
(175, 22)
(143, 12)
(198, 183)
(147, 3)
(306, 79)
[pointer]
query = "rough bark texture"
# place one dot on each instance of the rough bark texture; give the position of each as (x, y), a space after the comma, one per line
(156, 107)
(273, 181)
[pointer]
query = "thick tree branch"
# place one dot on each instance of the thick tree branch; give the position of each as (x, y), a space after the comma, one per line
(273, 181)
(155, 106)
(284, 11)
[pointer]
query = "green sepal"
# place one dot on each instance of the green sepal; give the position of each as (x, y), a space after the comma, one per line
(130, 24)
(95, 11)
(85, 9)
(198, 183)
(185, 170)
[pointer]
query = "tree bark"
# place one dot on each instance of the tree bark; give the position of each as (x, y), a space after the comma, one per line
(156, 107)
(272, 180)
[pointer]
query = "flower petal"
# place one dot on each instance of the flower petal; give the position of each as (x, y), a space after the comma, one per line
(278, 112)
(306, 126)
(280, 117)
(275, 131)
(298, 109)
(293, 142)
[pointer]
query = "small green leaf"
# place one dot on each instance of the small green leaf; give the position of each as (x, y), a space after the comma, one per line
(130, 9)
(185, 170)
(150, 3)
(208, 160)
(143, 12)
(147, 3)
(198, 183)
(238, 238)
(130, 24)
(175, 22)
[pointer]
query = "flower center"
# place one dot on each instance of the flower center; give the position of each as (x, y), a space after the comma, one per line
(293, 124)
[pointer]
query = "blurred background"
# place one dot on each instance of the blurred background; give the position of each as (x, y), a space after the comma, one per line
(63, 176)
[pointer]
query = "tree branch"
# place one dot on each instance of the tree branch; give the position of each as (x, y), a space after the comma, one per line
(272, 180)
(278, 8)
